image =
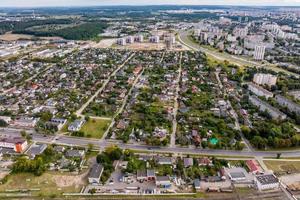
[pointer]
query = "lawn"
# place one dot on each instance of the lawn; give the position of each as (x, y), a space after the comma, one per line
(49, 184)
(283, 166)
(64, 129)
(95, 128)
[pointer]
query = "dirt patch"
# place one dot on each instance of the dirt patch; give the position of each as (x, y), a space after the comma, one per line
(3, 174)
(69, 180)
(51, 38)
(142, 46)
(12, 37)
(288, 168)
(105, 43)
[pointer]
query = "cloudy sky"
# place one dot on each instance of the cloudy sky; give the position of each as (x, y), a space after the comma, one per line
(33, 3)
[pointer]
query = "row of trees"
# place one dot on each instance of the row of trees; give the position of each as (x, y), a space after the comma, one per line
(269, 134)
(19, 26)
(37, 166)
(106, 158)
(84, 31)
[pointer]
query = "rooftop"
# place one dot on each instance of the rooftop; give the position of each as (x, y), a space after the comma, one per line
(162, 178)
(267, 179)
(96, 171)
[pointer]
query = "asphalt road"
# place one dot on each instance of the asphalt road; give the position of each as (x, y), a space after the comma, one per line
(81, 109)
(98, 144)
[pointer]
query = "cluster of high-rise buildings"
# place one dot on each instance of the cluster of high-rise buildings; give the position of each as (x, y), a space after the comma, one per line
(168, 38)
(256, 38)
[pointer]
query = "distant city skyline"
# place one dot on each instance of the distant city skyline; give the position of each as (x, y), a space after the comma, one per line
(45, 3)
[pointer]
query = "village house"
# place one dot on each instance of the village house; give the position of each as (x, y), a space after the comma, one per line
(95, 174)
(76, 125)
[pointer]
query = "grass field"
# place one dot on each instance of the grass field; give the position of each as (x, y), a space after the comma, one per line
(48, 184)
(65, 127)
(283, 166)
(95, 128)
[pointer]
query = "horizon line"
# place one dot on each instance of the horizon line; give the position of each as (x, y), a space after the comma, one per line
(140, 5)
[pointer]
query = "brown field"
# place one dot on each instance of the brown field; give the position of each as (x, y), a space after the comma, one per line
(105, 43)
(12, 37)
(146, 46)
(50, 183)
(283, 166)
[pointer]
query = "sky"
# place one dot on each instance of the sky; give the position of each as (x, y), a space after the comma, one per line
(45, 3)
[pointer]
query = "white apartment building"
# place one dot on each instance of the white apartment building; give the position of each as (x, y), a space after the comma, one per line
(253, 40)
(265, 79)
(240, 32)
(264, 106)
(139, 38)
(231, 38)
(259, 91)
(203, 37)
(259, 52)
(130, 39)
(291, 36)
(292, 106)
(154, 39)
(121, 41)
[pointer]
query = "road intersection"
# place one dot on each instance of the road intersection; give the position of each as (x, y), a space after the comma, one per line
(101, 144)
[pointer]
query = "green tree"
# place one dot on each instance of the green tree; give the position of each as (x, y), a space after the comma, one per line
(93, 191)
(23, 133)
(278, 155)
(90, 147)
(3, 123)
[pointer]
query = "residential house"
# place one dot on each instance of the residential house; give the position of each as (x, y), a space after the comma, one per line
(188, 162)
(197, 184)
(35, 150)
(73, 153)
(253, 166)
(95, 174)
(76, 125)
(164, 160)
(163, 181)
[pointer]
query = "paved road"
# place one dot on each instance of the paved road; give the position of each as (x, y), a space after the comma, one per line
(235, 116)
(83, 142)
(80, 110)
(123, 105)
(175, 108)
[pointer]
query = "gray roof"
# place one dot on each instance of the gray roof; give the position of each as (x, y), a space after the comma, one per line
(165, 160)
(237, 175)
(267, 179)
(36, 149)
(59, 148)
(141, 173)
(96, 171)
(75, 153)
(150, 173)
(197, 182)
(188, 162)
(58, 120)
(162, 178)
(76, 124)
